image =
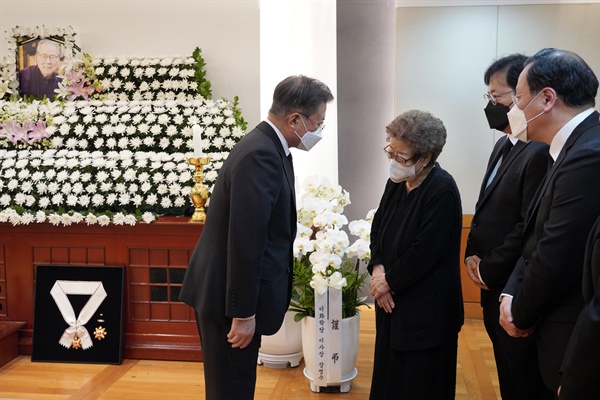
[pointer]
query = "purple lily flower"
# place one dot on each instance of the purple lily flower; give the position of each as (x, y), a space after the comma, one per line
(78, 89)
(16, 132)
(38, 131)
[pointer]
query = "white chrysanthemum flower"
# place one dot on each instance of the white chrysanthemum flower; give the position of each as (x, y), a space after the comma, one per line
(162, 189)
(40, 217)
(91, 219)
(130, 220)
(148, 217)
(103, 220)
(66, 219)
(54, 219)
(124, 198)
(166, 202)
(20, 199)
(145, 187)
(152, 199)
(137, 200)
(44, 202)
(118, 219)
(179, 202)
(185, 177)
(76, 218)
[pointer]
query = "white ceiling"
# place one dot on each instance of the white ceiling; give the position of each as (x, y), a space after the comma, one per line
(462, 3)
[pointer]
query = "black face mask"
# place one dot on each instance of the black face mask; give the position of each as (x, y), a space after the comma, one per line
(496, 115)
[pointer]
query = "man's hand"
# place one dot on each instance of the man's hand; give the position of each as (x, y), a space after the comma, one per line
(472, 264)
(506, 319)
(242, 332)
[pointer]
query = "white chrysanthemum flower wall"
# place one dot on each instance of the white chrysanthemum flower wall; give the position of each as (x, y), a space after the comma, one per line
(125, 160)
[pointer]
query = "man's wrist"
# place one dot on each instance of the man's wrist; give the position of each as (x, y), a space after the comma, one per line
(246, 318)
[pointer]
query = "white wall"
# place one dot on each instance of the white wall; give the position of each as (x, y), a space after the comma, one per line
(442, 53)
(299, 37)
(226, 31)
(250, 45)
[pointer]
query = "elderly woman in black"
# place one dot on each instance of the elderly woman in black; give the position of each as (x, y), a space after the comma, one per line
(415, 266)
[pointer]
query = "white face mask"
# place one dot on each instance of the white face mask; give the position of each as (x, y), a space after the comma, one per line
(400, 173)
(310, 138)
(518, 122)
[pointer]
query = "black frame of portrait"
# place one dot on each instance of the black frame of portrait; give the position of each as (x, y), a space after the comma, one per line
(49, 321)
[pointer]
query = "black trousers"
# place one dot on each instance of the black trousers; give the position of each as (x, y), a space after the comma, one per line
(516, 359)
(408, 375)
(228, 373)
(552, 340)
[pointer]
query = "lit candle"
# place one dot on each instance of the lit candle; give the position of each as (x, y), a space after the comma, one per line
(197, 141)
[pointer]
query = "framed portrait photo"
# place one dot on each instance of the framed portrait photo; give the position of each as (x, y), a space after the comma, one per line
(38, 62)
(39, 54)
(78, 314)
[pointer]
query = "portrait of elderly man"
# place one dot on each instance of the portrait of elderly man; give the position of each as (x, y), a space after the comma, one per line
(41, 79)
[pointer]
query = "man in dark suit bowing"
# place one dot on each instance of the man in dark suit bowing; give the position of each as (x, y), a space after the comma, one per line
(240, 273)
(514, 172)
(581, 375)
(554, 104)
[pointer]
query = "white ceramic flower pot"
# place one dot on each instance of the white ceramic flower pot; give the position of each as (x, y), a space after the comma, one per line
(284, 347)
(350, 330)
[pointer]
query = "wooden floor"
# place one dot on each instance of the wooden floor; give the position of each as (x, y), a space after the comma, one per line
(160, 380)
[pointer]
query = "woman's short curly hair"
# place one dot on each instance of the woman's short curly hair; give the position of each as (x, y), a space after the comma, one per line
(423, 131)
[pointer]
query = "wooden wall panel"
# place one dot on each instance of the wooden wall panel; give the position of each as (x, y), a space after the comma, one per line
(3, 302)
(155, 255)
(159, 327)
(471, 293)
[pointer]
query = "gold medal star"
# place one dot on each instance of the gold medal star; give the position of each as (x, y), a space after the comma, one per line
(76, 342)
(100, 333)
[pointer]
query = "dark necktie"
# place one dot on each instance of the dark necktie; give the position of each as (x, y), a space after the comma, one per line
(289, 158)
(506, 149)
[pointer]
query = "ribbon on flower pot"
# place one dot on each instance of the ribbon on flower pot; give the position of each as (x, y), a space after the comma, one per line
(328, 336)
(59, 292)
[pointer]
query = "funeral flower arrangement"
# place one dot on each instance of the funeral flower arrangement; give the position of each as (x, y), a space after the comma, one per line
(114, 145)
(324, 256)
(108, 158)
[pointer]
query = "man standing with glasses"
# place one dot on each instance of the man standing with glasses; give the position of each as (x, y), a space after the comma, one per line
(514, 172)
(239, 278)
(554, 104)
(41, 79)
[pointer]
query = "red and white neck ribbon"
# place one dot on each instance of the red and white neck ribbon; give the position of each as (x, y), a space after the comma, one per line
(59, 292)
(328, 337)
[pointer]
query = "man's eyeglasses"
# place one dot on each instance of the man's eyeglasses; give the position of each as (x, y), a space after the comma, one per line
(321, 125)
(46, 57)
(392, 156)
(515, 99)
(494, 97)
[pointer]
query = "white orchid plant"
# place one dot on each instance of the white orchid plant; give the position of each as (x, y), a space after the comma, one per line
(324, 256)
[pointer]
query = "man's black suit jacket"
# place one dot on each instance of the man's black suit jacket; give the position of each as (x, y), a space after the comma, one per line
(546, 282)
(581, 375)
(242, 263)
(500, 212)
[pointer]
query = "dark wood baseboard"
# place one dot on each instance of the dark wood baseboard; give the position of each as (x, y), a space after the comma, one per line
(9, 340)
